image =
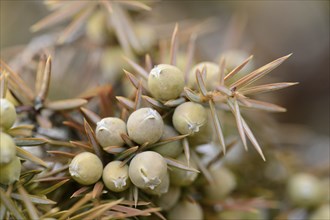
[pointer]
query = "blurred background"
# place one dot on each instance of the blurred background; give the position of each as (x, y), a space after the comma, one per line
(267, 29)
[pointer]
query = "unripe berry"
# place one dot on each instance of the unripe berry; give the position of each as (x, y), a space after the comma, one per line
(115, 176)
(189, 117)
(165, 82)
(86, 168)
(224, 183)
(236, 57)
(237, 214)
(10, 172)
(109, 130)
(161, 188)
(146, 34)
(96, 28)
(186, 210)
(305, 190)
(145, 125)
(171, 149)
(204, 135)
(147, 170)
(211, 79)
(7, 114)
(180, 177)
(7, 149)
(169, 199)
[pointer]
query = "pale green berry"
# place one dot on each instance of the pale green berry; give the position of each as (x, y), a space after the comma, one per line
(321, 213)
(171, 149)
(189, 117)
(169, 199)
(165, 82)
(211, 79)
(112, 64)
(108, 132)
(181, 60)
(224, 183)
(234, 58)
(96, 28)
(146, 35)
(7, 114)
(145, 125)
(10, 172)
(7, 149)
(86, 168)
(236, 215)
(186, 210)
(305, 190)
(204, 135)
(147, 170)
(161, 188)
(181, 177)
(115, 176)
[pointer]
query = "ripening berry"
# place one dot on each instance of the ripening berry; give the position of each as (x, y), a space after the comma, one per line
(86, 168)
(189, 117)
(171, 149)
(181, 177)
(161, 189)
(169, 199)
(148, 170)
(224, 184)
(186, 210)
(145, 125)
(10, 172)
(7, 114)
(96, 28)
(108, 132)
(165, 82)
(115, 176)
(305, 190)
(211, 79)
(7, 149)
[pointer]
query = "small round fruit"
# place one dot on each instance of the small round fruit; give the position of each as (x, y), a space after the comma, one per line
(147, 170)
(246, 215)
(235, 58)
(96, 28)
(7, 149)
(186, 210)
(171, 149)
(161, 188)
(146, 35)
(115, 176)
(305, 190)
(224, 183)
(204, 135)
(10, 173)
(189, 117)
(169, 199)
(180, 177)
(212, 75)
(145, 125)
(109, 130)
(7, 114)
(112, 64)
(321, 213)
(86, 168)
(165, 82)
